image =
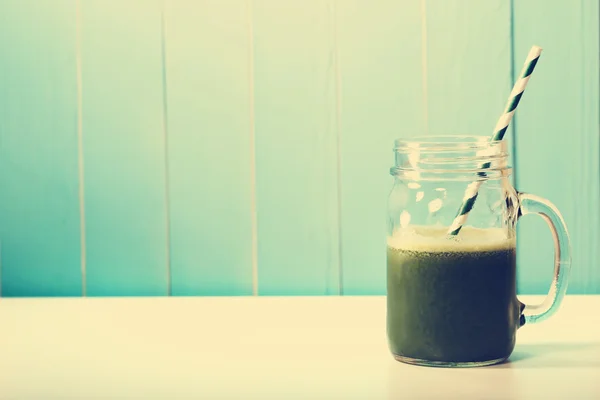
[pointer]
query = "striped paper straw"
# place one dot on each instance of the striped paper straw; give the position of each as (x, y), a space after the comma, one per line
(501, 127)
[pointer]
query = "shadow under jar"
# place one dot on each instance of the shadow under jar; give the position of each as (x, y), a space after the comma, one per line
(451, 299)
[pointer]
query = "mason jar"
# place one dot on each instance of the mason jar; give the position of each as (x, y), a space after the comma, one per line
(451, 253)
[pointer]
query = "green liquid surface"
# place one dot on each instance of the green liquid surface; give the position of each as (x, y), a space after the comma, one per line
(452, 302)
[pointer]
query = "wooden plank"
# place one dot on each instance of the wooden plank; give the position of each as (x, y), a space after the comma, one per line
(123, 138)
(39, 210)
(381, 100)
(210, 146)
(558, 138)
(468, 65)
(296, 147)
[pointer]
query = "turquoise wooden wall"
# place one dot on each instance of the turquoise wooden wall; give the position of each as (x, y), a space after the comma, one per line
(239, 147)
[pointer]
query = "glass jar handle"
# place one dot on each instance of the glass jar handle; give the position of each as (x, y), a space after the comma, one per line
(530, 204)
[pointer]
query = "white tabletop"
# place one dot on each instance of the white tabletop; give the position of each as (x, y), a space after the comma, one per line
(269, 348)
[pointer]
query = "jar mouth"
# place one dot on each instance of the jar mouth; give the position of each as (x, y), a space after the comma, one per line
(446, 142)
(454, 157)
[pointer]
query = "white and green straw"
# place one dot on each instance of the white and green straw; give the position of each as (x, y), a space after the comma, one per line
(501, 127)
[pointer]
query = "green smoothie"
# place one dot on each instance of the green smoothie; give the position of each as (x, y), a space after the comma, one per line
(452, 301)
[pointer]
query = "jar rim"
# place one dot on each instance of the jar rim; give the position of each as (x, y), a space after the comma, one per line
(451, 157)
(446, 142)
